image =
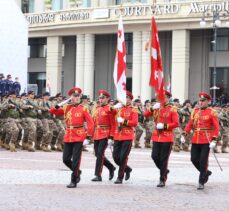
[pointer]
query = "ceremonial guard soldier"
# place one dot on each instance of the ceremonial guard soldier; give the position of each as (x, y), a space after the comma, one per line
(166, 119)
(75, 114)
(205, 124)
(104, 125)
(126, 121)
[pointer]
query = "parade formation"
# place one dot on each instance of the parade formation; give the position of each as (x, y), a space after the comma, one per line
(47, 123)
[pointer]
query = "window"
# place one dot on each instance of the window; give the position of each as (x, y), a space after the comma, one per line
(222, 81)
(57, 4)
(222, 40)
(40, 80)
(37, 47)
(27, 6)
(38, 51)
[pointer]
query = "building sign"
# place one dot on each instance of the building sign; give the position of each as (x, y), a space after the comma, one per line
(200, 8)
(143, 10)
(128, 11)
(65, 16)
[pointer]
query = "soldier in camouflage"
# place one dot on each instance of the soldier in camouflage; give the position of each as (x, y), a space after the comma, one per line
(148, 124)
(224, 124)
(177, 131)
(139, 128)
(185, 113)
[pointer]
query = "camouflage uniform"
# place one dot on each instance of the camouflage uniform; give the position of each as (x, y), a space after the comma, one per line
(139, 128)
(58, 135)
(48, 125)
(149, 127)
(29, 124)
(11, 112)
(185, 113)
(177, 135)
(224, 124)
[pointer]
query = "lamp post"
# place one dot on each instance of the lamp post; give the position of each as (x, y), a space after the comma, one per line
(216, 23)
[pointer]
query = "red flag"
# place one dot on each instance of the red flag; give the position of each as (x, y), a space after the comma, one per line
(120, 64)
(157, 77)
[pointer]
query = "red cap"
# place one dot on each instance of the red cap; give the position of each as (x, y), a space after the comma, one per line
(168, 93)
(74, 90)
(204, 96)
(129, 94)
(104, 93)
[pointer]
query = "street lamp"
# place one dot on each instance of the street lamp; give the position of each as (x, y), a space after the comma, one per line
(216, 23)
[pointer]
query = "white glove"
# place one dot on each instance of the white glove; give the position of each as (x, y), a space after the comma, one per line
(182, 139)
(156, 106)
(118, 105)
(86, 142)
(212, 145)
(160, 126)
(120, 120)
(110, 143)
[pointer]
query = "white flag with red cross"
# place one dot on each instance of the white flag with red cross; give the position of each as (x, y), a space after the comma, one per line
(120, 65)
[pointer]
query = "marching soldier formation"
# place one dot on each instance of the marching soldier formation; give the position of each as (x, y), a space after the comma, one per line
(48, 123)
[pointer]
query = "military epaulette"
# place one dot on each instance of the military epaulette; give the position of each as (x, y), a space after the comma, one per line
(173, 108)
(213, 112)
(194, 111)
(135, 109)
(85, 108)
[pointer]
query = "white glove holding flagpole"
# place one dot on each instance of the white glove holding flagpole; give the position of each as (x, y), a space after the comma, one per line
(156, 106)
(120, 120)
(62, 103)
(118, 105)
(212, 145)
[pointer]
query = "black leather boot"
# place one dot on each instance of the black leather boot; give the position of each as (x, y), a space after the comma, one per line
(111, 173)
(118, 181)
(200, 186)
(128, 174)
(97, 179)
(73, 183)
(78, 178)
(161, 184)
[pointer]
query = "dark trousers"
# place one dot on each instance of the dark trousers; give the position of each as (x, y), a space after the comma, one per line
(121, 152)
(72, 156)
(100, 147)
(199, 158)
(160, 155)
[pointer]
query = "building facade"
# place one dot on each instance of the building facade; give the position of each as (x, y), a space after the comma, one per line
(73, 43)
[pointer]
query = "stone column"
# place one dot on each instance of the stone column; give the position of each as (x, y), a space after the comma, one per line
(180, 64)
(145, 73)
(89, 55)
(137, 64)
(80, 61)
(54, 63)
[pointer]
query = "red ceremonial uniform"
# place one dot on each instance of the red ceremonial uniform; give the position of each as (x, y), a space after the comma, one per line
(125, 131)
(75, 116)
(167, 115)
(104, 122)
(205, 124)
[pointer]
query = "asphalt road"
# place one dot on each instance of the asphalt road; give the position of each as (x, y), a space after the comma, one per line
(37, 181)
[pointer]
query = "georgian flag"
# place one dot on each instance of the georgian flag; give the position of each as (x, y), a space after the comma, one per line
(120, 65)
(157, 77)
